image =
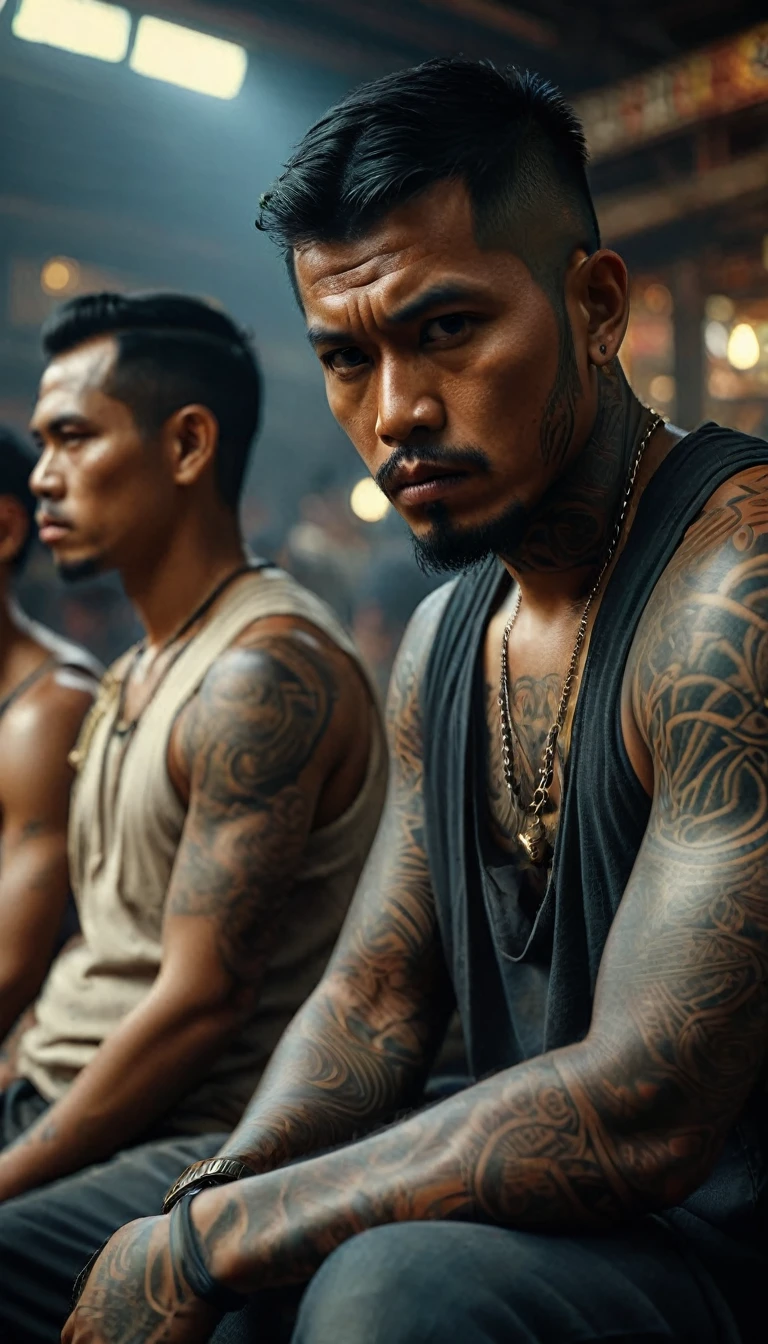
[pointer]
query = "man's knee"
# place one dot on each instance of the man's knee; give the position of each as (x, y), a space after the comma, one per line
(407, 1283)
(365, 1290)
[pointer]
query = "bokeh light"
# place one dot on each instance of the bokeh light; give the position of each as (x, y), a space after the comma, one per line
(662, 387)
(657, 299)
(367, 501)
(716, 339)
(59, 276)
(743, 347)
(719, 308)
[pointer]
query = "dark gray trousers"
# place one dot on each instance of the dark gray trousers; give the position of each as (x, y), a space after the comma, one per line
(47, 1236)
(410, 1283)
(463, 1283)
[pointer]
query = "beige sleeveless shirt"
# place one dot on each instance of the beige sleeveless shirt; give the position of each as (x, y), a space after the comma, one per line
(125, 828)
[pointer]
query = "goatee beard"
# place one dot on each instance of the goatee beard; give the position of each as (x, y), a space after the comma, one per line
(77, 570)
(447, 549)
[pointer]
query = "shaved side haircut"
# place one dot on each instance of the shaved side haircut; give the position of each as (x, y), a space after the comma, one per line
(509, 136)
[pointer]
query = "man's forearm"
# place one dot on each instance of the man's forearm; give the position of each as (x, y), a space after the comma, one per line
(532, 1147)
(342, 1068)
(136, 1076)
(9, 1048)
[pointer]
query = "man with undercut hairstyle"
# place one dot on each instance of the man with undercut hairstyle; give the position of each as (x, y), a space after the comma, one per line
(230, 778)
(575, 845)
(47, 685)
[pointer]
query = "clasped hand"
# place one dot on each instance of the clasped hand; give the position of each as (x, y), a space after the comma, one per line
(135, 1294)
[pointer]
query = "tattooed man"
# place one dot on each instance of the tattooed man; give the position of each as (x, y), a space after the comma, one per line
(575, 846)
(230, 780)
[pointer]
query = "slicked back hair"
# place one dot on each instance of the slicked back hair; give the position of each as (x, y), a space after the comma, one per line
(172, 351)
(17, 462)
(509, 136)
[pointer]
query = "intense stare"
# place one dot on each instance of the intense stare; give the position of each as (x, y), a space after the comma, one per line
(447, 275)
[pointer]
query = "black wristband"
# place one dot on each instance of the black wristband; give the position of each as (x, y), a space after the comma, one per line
(185, 1249)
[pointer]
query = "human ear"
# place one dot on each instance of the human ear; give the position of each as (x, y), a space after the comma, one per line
(194, 433)
(603, 294)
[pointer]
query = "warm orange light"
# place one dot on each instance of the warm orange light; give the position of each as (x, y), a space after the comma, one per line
(59, 275)
(657, 299)
(662, 387)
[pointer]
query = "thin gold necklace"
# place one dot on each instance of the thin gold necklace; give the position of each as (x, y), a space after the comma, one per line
(532, 835)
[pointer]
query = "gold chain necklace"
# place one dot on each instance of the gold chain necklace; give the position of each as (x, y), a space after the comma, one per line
(533, 836)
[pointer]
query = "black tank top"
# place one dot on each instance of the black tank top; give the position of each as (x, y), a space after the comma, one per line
(524, 982)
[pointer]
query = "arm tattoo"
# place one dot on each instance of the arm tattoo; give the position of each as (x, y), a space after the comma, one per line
(360, 1048)
(256, 726)
(632, 1117)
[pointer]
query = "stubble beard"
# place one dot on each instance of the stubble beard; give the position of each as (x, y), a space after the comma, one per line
(76, 571)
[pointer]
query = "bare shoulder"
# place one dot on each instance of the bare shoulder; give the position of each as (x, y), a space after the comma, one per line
(413, 654)
(426, 618)
(296, 639)
(38, 731)
(49, 709)
(281, 701)
(703, 632)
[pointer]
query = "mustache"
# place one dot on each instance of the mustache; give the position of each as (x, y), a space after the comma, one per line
(426, 454)
(50, 510)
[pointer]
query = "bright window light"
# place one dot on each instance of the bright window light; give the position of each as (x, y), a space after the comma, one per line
(193, 60)
(88, 27)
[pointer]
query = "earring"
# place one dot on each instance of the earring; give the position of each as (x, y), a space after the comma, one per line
(603, 349)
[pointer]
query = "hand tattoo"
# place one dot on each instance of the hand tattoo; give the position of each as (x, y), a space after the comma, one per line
(135, 1294)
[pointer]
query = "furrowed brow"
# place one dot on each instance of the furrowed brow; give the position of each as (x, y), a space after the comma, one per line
(435, 297)
(323, 336)
(431, 298)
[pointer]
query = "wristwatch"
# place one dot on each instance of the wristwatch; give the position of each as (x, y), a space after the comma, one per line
(204, 1175)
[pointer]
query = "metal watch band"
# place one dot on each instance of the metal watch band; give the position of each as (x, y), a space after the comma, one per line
(203, 1175)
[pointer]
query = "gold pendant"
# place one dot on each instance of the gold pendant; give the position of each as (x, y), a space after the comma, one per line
(535, 843)
(106, 696)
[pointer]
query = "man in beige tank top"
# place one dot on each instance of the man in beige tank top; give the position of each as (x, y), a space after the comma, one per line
(230, 781)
